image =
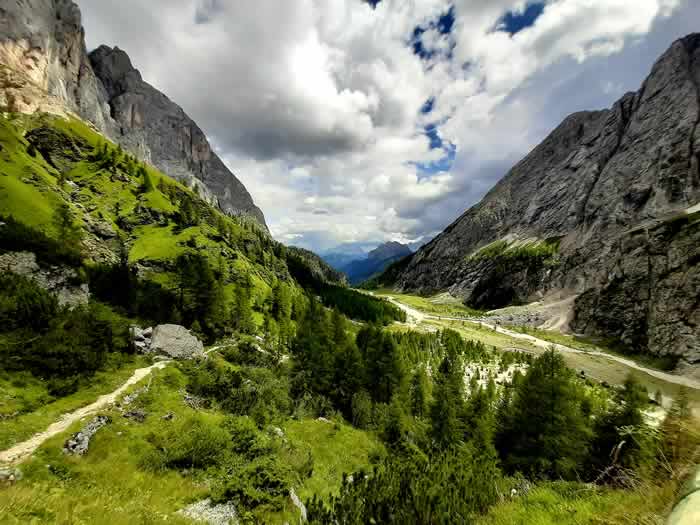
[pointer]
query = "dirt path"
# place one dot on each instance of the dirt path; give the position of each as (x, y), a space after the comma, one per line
(21, 451)
(417, 317)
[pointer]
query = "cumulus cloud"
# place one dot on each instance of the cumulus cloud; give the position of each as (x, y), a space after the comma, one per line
(319, 106)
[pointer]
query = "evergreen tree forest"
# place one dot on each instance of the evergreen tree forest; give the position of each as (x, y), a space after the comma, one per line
(463, 427)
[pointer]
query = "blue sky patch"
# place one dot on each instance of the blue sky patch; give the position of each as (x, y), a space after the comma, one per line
(428, 169)
(428, 106)
(431, 132)
(373, 3)
(514, 22)
(444, 24)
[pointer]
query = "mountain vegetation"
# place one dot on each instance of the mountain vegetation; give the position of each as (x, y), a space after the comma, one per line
(446, 435)
(313, 401)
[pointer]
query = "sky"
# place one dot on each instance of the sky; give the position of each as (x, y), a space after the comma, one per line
(364, 121)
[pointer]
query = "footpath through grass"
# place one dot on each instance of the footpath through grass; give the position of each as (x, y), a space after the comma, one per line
(37, 409)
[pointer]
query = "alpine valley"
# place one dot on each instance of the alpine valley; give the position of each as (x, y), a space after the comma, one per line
(165, 358)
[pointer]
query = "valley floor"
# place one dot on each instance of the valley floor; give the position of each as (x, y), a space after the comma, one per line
(597, 363)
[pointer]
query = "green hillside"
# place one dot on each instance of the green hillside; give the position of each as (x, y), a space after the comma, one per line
(293, 397)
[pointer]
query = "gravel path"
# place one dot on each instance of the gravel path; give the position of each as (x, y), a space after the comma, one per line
(21, 451)
(416, 317)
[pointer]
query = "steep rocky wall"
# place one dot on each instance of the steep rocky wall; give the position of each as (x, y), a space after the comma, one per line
(43, 55)
(176, 144)
(651, 295)
(44, 66)
(595, 177)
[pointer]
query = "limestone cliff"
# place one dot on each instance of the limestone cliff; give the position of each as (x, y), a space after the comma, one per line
(561, 219)
(44, 66)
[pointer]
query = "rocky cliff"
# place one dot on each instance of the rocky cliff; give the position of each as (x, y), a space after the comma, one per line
(587, 212)
(44, 66)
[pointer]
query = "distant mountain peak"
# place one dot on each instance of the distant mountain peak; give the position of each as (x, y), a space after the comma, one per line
(388, 250)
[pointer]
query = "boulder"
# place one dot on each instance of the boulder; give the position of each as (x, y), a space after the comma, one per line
(79, 443)
(10, 475)
(176, 342)
(136, 415)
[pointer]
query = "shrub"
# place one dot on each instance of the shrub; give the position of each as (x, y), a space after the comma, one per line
(15, 236)
(195, 442)
(24, 304)
(263, 481)
(246, 439)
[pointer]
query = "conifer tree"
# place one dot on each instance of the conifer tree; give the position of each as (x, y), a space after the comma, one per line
(546, 432)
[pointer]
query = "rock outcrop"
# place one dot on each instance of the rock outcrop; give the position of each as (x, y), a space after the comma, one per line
(175, 341)
(64, 283)
(175, 144)
(79, 443)
(44, 66)
(584, 214)
(206, 511)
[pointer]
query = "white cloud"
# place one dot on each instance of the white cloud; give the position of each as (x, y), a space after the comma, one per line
(315, 104)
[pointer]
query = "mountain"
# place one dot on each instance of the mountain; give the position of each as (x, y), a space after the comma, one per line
(376, 261)
(604, 211)
(46, 68)
(343, 254)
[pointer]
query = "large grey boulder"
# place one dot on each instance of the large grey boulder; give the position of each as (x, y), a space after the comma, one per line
(176, 342)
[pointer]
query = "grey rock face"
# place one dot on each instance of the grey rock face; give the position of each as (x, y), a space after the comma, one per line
(651, 297)
(56, 280)
(42, 44)
(596, 177)
(175, 341)
(176, 144)
(79, 443)
(47, 68)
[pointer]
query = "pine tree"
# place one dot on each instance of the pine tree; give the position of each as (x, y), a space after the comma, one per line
(420, 393)
(546, 432)
(243, 312)
(64, 223)
(447, 428)
(147, 182)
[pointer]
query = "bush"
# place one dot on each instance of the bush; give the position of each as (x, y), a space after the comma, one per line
(24, 304)
(246, 439)
(195, 442)
(15, 236)
(254, 392)
(263, 481)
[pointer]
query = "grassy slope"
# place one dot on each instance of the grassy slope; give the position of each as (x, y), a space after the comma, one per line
(30, 191)
(28, 395)
(110, 485)
(437, 305)
(579, 504)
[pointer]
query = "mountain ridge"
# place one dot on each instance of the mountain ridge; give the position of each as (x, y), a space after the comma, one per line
(46, 67)
(375, 262)
(560, 220)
